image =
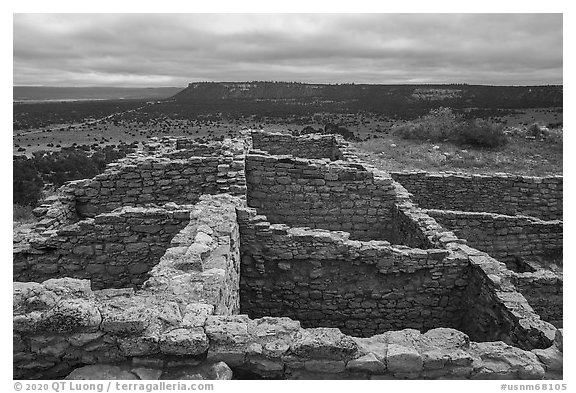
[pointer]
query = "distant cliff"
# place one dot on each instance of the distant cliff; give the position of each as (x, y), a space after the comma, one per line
(371, 97)
(249, 90)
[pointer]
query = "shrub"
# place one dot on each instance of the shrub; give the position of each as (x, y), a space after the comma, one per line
(26, 183)
(537, 131)
(439, 125)
(480, 132)
(443, 125)
(330, 128)
(534, 130)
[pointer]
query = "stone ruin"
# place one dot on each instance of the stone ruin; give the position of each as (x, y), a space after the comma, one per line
(274, 256)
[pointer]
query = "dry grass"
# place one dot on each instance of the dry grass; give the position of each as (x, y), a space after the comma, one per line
(519, 156)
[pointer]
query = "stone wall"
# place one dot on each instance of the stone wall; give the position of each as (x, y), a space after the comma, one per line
(495, 311)
(114, 250)
(137, 181)
(506, 238)
(61, 325)
(57, 209)
(544, 290)
(203, 262)
(414, 228)
(194, 148)
(186, 148)
(319, 194)
(539, 197)
(323, 279)
(308, 146)
(181, 322)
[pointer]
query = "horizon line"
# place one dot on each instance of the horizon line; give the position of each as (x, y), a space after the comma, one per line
(297, 82)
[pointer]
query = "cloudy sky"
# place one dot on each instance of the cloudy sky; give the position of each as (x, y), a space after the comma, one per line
(174, 49)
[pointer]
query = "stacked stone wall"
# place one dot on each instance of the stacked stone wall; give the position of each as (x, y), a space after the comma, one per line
(203, 262)
(138, 181)
(323, 279)
(414, 228)
(540, 197)
(185, 148)
(181, 322)
(544, 290)
(319, 194)
(114, 250)
(198, 149)
(61, 325)
(308, 146)
(506, 238)
(57, 209)
(495, 311)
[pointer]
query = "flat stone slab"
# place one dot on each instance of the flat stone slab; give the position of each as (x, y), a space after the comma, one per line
(324, 343)
(100, 371)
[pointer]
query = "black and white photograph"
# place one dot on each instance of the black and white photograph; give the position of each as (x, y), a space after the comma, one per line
(200, 197)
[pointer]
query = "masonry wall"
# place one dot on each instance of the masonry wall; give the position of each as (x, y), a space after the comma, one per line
(203, 262)
(138, 181)
(179, 325)
(506, 238)
(495, 311)
(187, 147)
(363, 288)
(318, 194)
(114, 250)
(539, 197)
(198, 149)
(308, 146)
(57, 209)
(544, 290)
(183, 314)
(60, 325)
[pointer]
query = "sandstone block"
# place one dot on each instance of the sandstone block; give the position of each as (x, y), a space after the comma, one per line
(128, 320)
(81, 339)
(559, 339)
(231, 329)
(71, 314)
(551, 357)
(368, 363)
(136, 247)
(184, 341)
(276, 349)
(100, 372)
(30, 322)
(324, 343)
(402, 359)
(220, 371)
(196, 314)
(138, 346)
(501, 361)
(444, 338)
(138, 268)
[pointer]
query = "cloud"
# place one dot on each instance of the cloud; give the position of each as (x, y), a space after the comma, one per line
(174, 49)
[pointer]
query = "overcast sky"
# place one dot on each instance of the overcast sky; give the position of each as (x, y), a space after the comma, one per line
(173, 49)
